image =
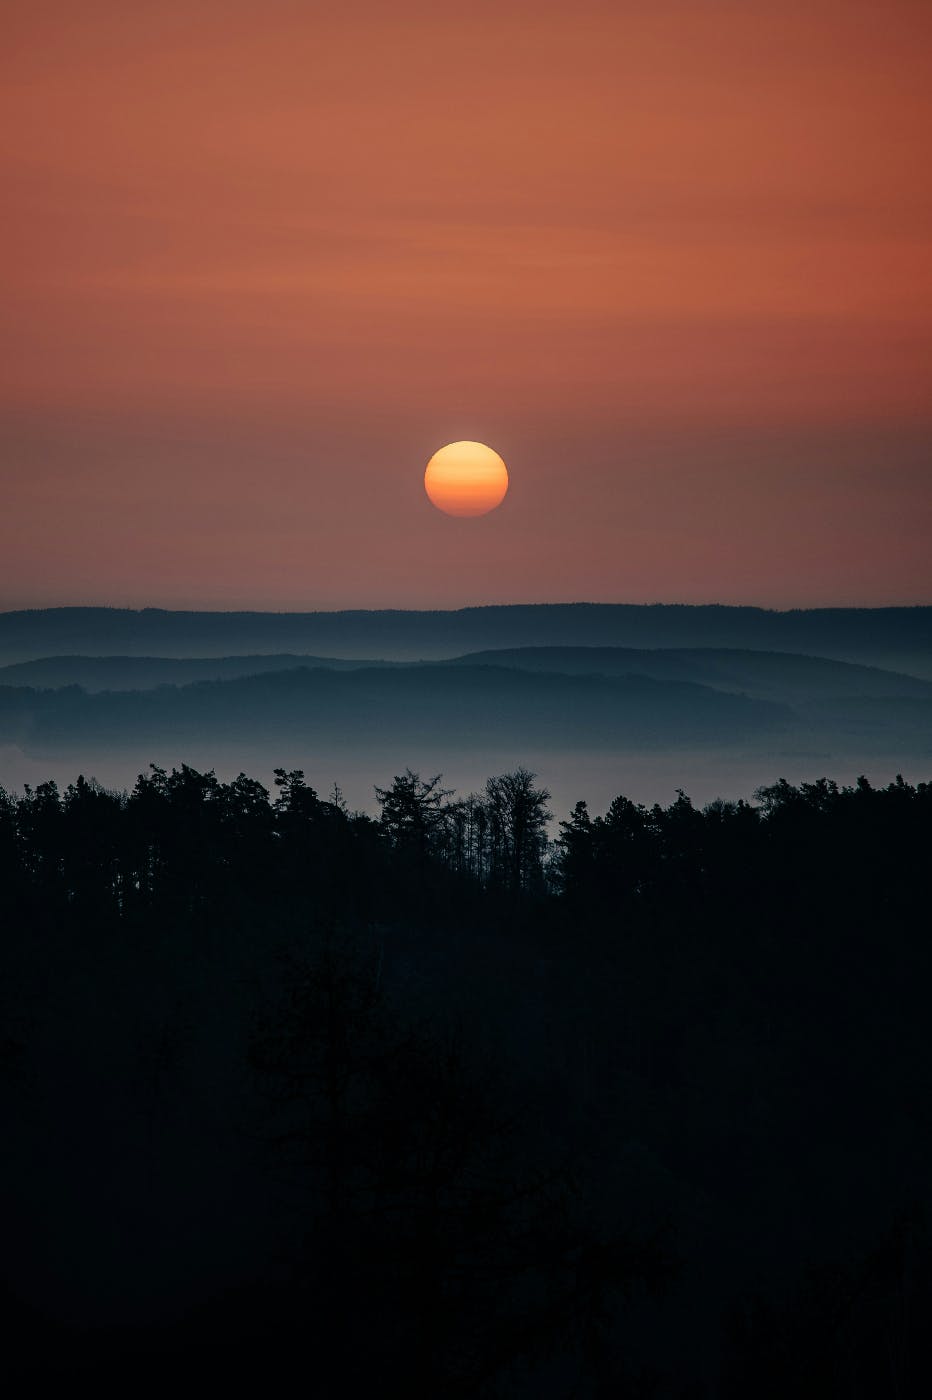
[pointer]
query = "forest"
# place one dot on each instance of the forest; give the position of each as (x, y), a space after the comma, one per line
(462, 1100)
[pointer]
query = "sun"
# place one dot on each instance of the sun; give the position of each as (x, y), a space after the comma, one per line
(466, 478)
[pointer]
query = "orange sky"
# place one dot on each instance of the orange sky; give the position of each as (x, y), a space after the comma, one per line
(672, 259)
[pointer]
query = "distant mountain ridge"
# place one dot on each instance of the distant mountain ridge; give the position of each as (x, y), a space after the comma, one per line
(456, 706)
(900, 638)
(94, 673)
(783, 677)
(516, 680)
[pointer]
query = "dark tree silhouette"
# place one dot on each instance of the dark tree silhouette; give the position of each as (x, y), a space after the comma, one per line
(413, 813)
(517, 820)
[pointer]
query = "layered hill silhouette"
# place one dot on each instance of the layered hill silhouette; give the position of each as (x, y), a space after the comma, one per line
(460, 706)
(779, 676)
(898, 638)
(783, 677)
(144, 672)
(529, 697)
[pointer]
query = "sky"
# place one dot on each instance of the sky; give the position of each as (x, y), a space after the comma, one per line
(671, 258)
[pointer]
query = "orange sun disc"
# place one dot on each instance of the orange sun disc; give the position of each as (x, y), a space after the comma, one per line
(466, 478)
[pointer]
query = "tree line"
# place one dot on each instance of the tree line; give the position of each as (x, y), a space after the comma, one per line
(118, 846)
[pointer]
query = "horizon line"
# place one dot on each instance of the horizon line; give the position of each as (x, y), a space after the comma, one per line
(466, 607)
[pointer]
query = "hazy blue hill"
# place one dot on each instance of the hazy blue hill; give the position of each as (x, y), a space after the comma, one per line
(144, 672)
(895, 637)
(458, 706)
(780, 676)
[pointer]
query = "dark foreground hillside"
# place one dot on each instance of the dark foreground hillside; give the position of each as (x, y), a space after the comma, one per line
(424, 1105)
